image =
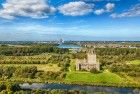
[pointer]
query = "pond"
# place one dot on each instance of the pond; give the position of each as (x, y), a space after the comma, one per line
(86, 88)
(69, 46)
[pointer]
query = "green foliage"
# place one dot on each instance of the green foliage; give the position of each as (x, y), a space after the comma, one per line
(117, 51)
(93, 70)
(11, 71)
(37, 59)
(9, 88)
(109, 56)
(129, 69)
(112, 59)
(60, 59)
(49, 75)
(79, 55)
(26, 72)
(7, 72)
(2, 87)
(30, 50)
(63, 61)
(54, 91)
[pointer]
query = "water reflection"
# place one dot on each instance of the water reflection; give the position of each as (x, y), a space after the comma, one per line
(69, 46)
(88, 89)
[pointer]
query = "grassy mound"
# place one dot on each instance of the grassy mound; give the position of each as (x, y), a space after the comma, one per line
(105, 77)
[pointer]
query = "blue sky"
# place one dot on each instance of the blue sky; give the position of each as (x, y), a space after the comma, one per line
(44, 20)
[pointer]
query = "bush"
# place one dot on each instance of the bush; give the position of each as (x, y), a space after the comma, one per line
(93, 70)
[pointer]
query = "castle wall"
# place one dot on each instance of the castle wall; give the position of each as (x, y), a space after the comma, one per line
(88, 64)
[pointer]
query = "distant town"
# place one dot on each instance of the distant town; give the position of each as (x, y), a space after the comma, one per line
(93, 44)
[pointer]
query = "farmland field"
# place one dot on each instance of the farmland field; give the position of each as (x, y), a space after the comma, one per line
(40, 67)
(24, 59)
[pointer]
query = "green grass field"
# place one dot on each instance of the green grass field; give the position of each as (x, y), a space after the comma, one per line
(135, 62)
(105, 77)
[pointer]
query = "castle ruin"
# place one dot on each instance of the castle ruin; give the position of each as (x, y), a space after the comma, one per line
(88, 64)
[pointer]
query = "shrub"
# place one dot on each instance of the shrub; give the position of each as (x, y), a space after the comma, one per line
(93, 70)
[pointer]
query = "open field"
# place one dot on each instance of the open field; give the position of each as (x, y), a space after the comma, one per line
(41, 58)
(105, 77)
(40, 67)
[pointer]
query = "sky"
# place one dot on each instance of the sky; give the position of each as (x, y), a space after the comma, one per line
(43, 20)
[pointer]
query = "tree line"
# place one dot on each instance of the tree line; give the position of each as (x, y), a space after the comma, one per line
(129, 69)
(115, 59)
(7, 72)
(108, 56)
(30, 50)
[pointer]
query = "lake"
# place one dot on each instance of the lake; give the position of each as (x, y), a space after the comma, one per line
(69, 46)
(88, 89)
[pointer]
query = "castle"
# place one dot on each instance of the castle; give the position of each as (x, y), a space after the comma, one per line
(88, 64)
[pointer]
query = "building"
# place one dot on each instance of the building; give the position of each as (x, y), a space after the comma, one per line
(88, 64)
(61, 41)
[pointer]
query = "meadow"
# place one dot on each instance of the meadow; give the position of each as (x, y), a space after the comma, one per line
(105, 77)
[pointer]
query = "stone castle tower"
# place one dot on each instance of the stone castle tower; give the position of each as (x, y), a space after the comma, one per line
(91, 58)
(89, 63)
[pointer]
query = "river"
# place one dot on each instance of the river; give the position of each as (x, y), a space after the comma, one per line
(88, 89)
(69, 46)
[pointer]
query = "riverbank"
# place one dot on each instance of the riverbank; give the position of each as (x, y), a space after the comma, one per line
(83, 88)
(65, 86)
(123, 85)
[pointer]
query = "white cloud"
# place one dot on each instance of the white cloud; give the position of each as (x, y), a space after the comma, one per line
(99, 11)
(27, 8)
(132, 12)
(95, 0)
(109, 7)
(78, 8)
